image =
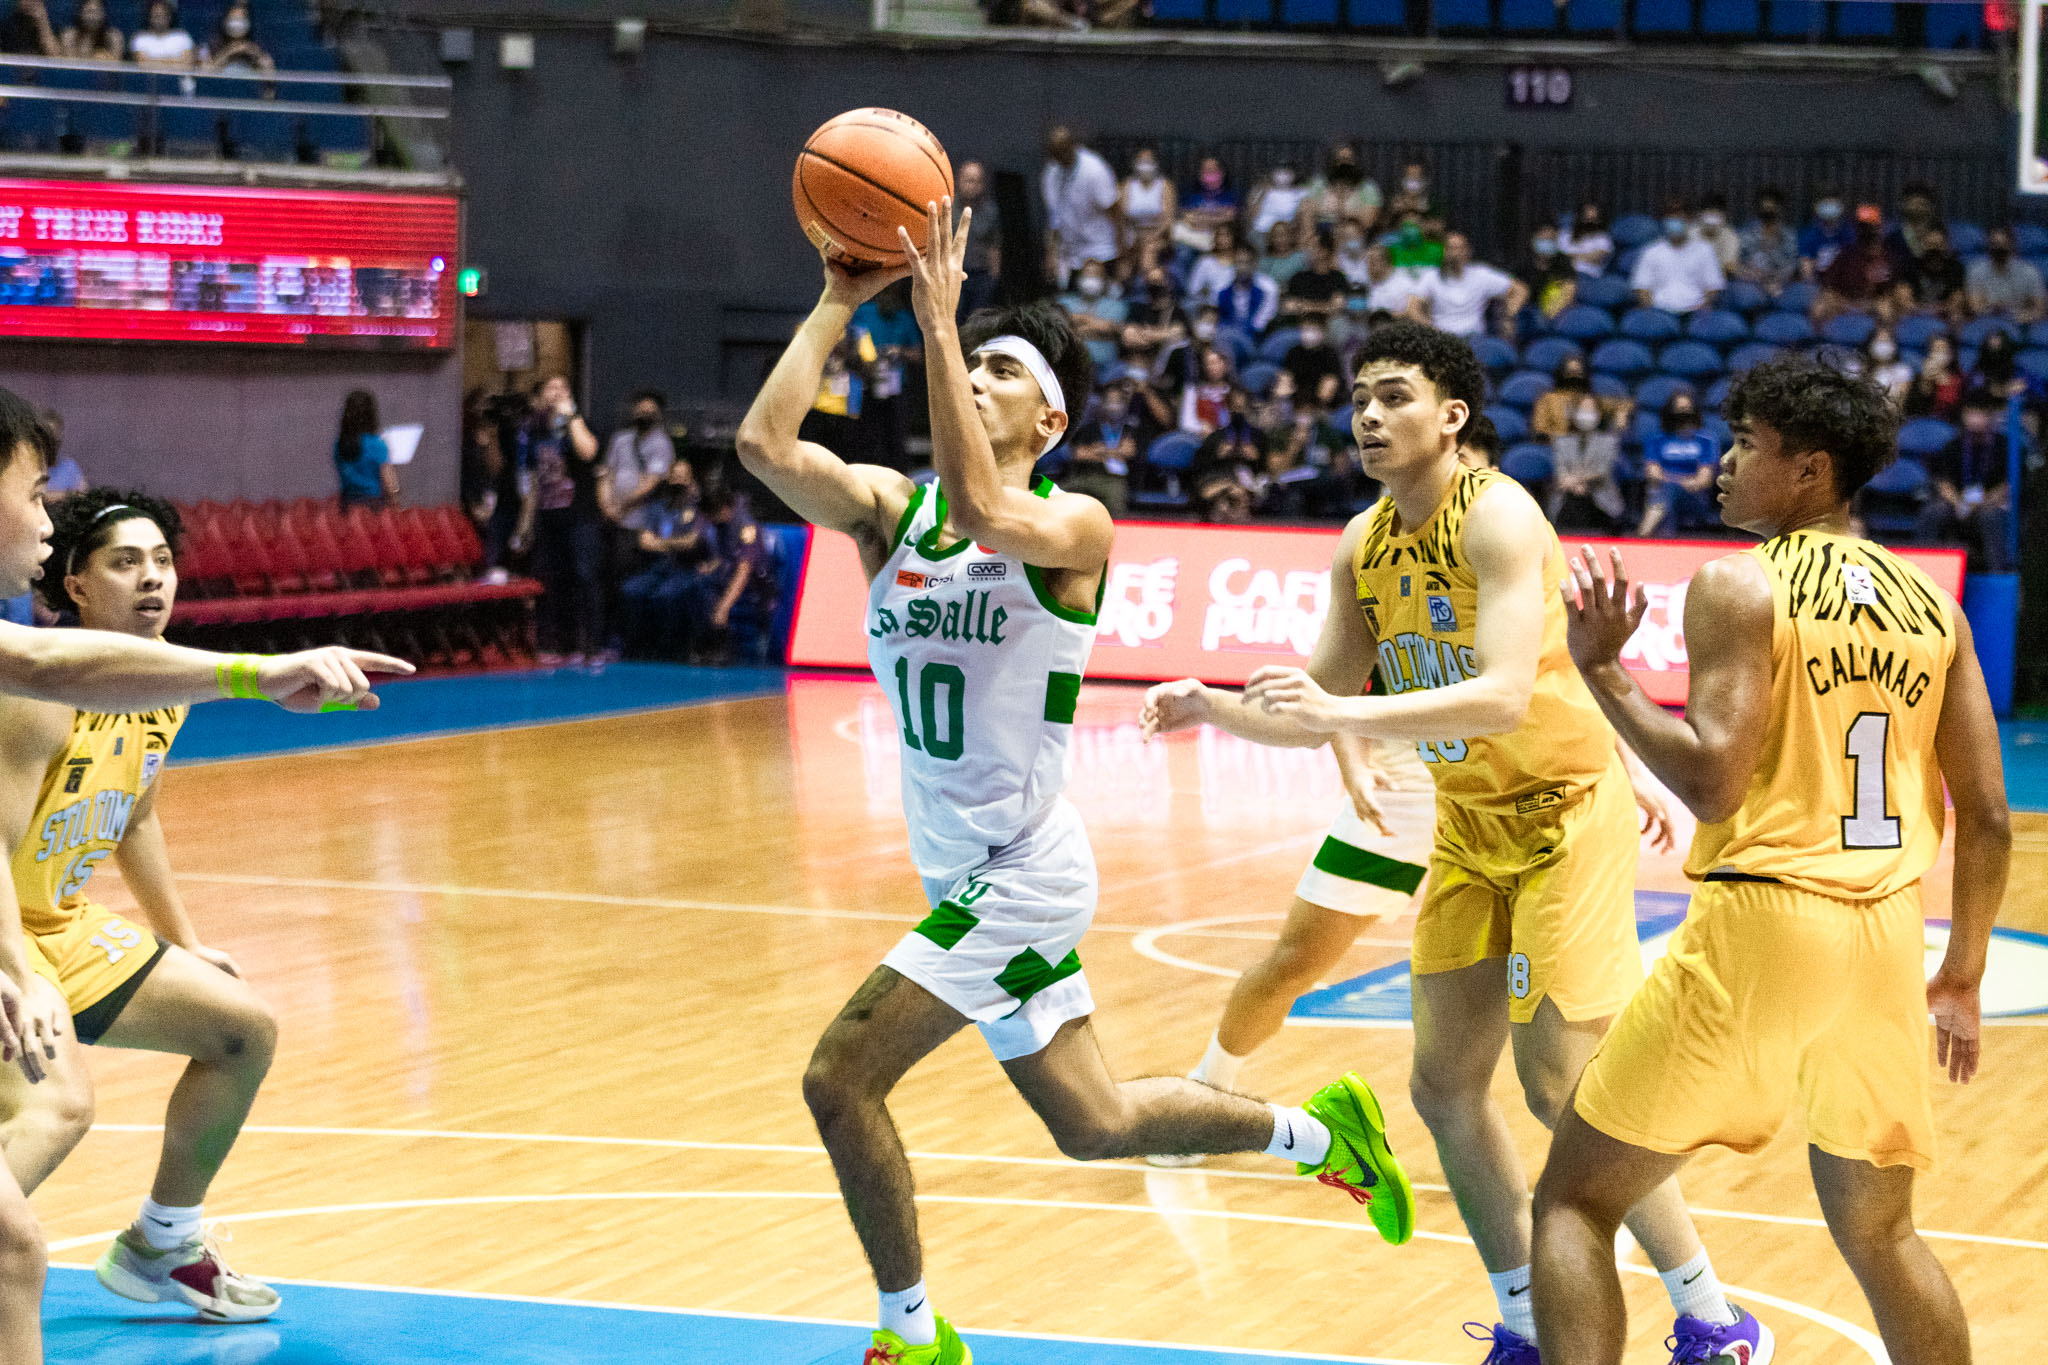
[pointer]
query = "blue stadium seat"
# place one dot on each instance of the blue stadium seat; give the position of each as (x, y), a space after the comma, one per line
(1651, 324)
(1463, 14)
(2037, 335)
(1863, 19)
(1848, 329)
(1547, 353)
(1966, 359)
(1646, 425)
(1582, 322)
(1744, 358)
(1239, 346)
(1955, 23)
(1689, 359)
(1977, 329)
(1310, 13)
(1496, 355)
(1608, 386)
(1527, 16)
(1717, 327)
(2034, 363)
(1258, 378)
(1180, 11)
(1622, 357)
(1744, 297)
(1174, 451)
(1798, 19)
(1890, 503)
(1508, 423)
(1730, 18)
(1528, 462)
(1379, 13)
(1278, 343)
(1522, 388)
(1244, 11)
(1592, 16)
(1925, 437)
(1625, 264)
(1784, 329)
(1718, 394)
(1633, 230)
(1653, 393)
(1604, 291)
(2029, 239)
(1660, 17)
(1915, 330)
(1798, 296)
(1966, 239)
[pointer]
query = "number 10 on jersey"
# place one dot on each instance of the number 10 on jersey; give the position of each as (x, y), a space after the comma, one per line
(945, 741)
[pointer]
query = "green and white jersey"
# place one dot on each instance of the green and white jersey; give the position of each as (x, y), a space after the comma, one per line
(983, 668)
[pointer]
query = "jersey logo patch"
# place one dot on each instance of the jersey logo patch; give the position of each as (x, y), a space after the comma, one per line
(1858, 585)
(74, 776)
(988, 569)
(1535, 801)
(1443, 617)
(1405, 581)
(152, 764)
(120, 742)
(905, 578)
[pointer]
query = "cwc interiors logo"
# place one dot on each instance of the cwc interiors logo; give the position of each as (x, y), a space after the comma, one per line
(1259, 609)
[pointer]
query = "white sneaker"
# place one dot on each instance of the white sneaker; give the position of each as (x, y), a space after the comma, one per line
(193, 1273)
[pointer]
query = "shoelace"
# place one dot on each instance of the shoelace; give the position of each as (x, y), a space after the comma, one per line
(880, 1355)
(1338, 1182)
(1502, 1346)
(1692, 1348)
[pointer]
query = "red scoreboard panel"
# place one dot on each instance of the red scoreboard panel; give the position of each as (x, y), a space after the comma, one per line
(135, 262)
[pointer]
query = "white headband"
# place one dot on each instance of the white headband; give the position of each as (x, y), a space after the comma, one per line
(1033, 360)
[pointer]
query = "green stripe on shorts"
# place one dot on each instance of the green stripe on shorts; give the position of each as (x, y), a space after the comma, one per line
(947, 924)
(1029, 973)
(1355, 864)
(1062, 691)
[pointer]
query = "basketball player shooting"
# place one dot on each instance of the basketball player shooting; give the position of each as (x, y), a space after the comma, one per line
(981, 614)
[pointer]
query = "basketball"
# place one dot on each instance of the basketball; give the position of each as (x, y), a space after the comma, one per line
(862, 176)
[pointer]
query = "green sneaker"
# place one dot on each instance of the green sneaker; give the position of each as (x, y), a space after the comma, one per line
(1360, 1162)
(890, 1349)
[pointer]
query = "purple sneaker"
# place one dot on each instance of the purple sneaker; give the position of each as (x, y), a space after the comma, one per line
(1509, 1348)
(1744, 1341)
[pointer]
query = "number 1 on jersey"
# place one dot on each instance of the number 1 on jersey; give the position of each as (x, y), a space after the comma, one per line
(952, 743)
(1870, 825)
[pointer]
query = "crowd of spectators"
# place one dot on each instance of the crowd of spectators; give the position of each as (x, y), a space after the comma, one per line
(157, 40)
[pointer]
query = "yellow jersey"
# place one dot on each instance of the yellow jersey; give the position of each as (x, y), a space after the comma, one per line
(1420, 597)
(88, 795)
(1847, 799)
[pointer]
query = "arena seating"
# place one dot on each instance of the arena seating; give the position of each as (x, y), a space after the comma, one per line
(1946, 25)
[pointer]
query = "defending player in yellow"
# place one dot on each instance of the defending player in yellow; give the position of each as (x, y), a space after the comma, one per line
(1527, 930)
(1834, 687)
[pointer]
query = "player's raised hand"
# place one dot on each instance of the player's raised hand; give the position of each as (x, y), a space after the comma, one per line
(1601, 616)
(1292, 693)
(332, 678)
(1952, 1001)
(1170, 706)
(849, 288)
(937, 271)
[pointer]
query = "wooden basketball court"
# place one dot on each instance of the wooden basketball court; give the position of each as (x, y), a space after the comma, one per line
(546, 994)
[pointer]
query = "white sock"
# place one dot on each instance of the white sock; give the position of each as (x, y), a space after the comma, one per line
(1696, 1291)
(908, 1313)
(165, 1227)
(1517, 1301)
(1298, 1136)
(1218, 1068)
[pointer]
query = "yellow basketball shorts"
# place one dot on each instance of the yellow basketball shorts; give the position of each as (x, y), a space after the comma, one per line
(1552, 891)
(97, 961)
(1769, 994)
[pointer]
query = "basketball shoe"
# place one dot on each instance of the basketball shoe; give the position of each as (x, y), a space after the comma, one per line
(1360, 1162)
(1509, 1348)
(1742, 1342)
(192, 1273)
(890, 1349)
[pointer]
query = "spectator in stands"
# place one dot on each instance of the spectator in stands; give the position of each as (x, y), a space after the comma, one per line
(1414, 245)
(1316, 291)
(638, 466)
(1823, 239)
(746, 575)
(1587, 242)
(1283, 255)
(1456, 298)
(1225, 473)
(1214, 272)
(1152, 318)
(984, 259)
(560, 522)
(234, 46)
(1680, 470)
(1885, 367)
(1251, 300)
(65, 477)
(362, 461)
(1414, 195)
(1998, 371)
(1712, 227)
(26, 31)
(1937, 391)
(1066, 14)
(1150, 206)
(89, 37)
(834, 418)
(2002, 284)
(1205, 402)
(486, 484)
(161, 42)
(655, 603)
(1933, 279)
(1388, 287)
(1098, 310)
(1770, 249)
(1105, 447)
(1552, 415)
(1179, 366)
(1277, 201)
(1312, 359)
(1352, 251)
(1919, 216)
(1679, 272)
(1207, 208)
(1343, 194)
(1583, 493)
(1971, 500)
(895, 355)
(1549, 275)
(1861, 275)
(1081, 198)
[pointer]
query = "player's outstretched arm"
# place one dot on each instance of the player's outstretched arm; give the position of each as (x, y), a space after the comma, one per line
(1707, 756)
(102, 670)
(1062, 533)
(1966, 746)
(861, 500)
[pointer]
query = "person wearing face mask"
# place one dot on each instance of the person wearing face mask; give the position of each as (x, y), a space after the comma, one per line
(1712, 227)
(637, 464)
(1351, 255)
(1972, 501)
(1150, 205)
(1098, 312)
(1416, 243)
(1152, 318)
(1586, 241)
(1919, 216)
(1885, 368)
(1277, 201)
(2003, 284)
(1549, 276)
(1344, 194)
(1937, 390)
(1934, 279)
(1678, 272)
(1861, 275)
(1207, 208)
(1770, 249)
(1315, 292)
(1821, 240)
(1583, 493)
(1680, 469)
(1998, 372)
(1251, 301)
(1552, 415)
(234, 46)
(1414, 196)
(1312, 358)
(1105, 447)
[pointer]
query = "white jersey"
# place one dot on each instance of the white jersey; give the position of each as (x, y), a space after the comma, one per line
(983, 667)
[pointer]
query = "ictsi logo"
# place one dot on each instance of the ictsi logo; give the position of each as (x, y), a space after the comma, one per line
(1257, 608)
(1137, 607)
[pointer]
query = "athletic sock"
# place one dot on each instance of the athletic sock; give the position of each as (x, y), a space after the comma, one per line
(908, 1313)
(1218, 1068)
(1696, 1292)
(1298, 1136)
(1517, 1303)
(165, 1227)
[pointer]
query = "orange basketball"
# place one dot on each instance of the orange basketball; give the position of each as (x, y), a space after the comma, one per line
(863, 175)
